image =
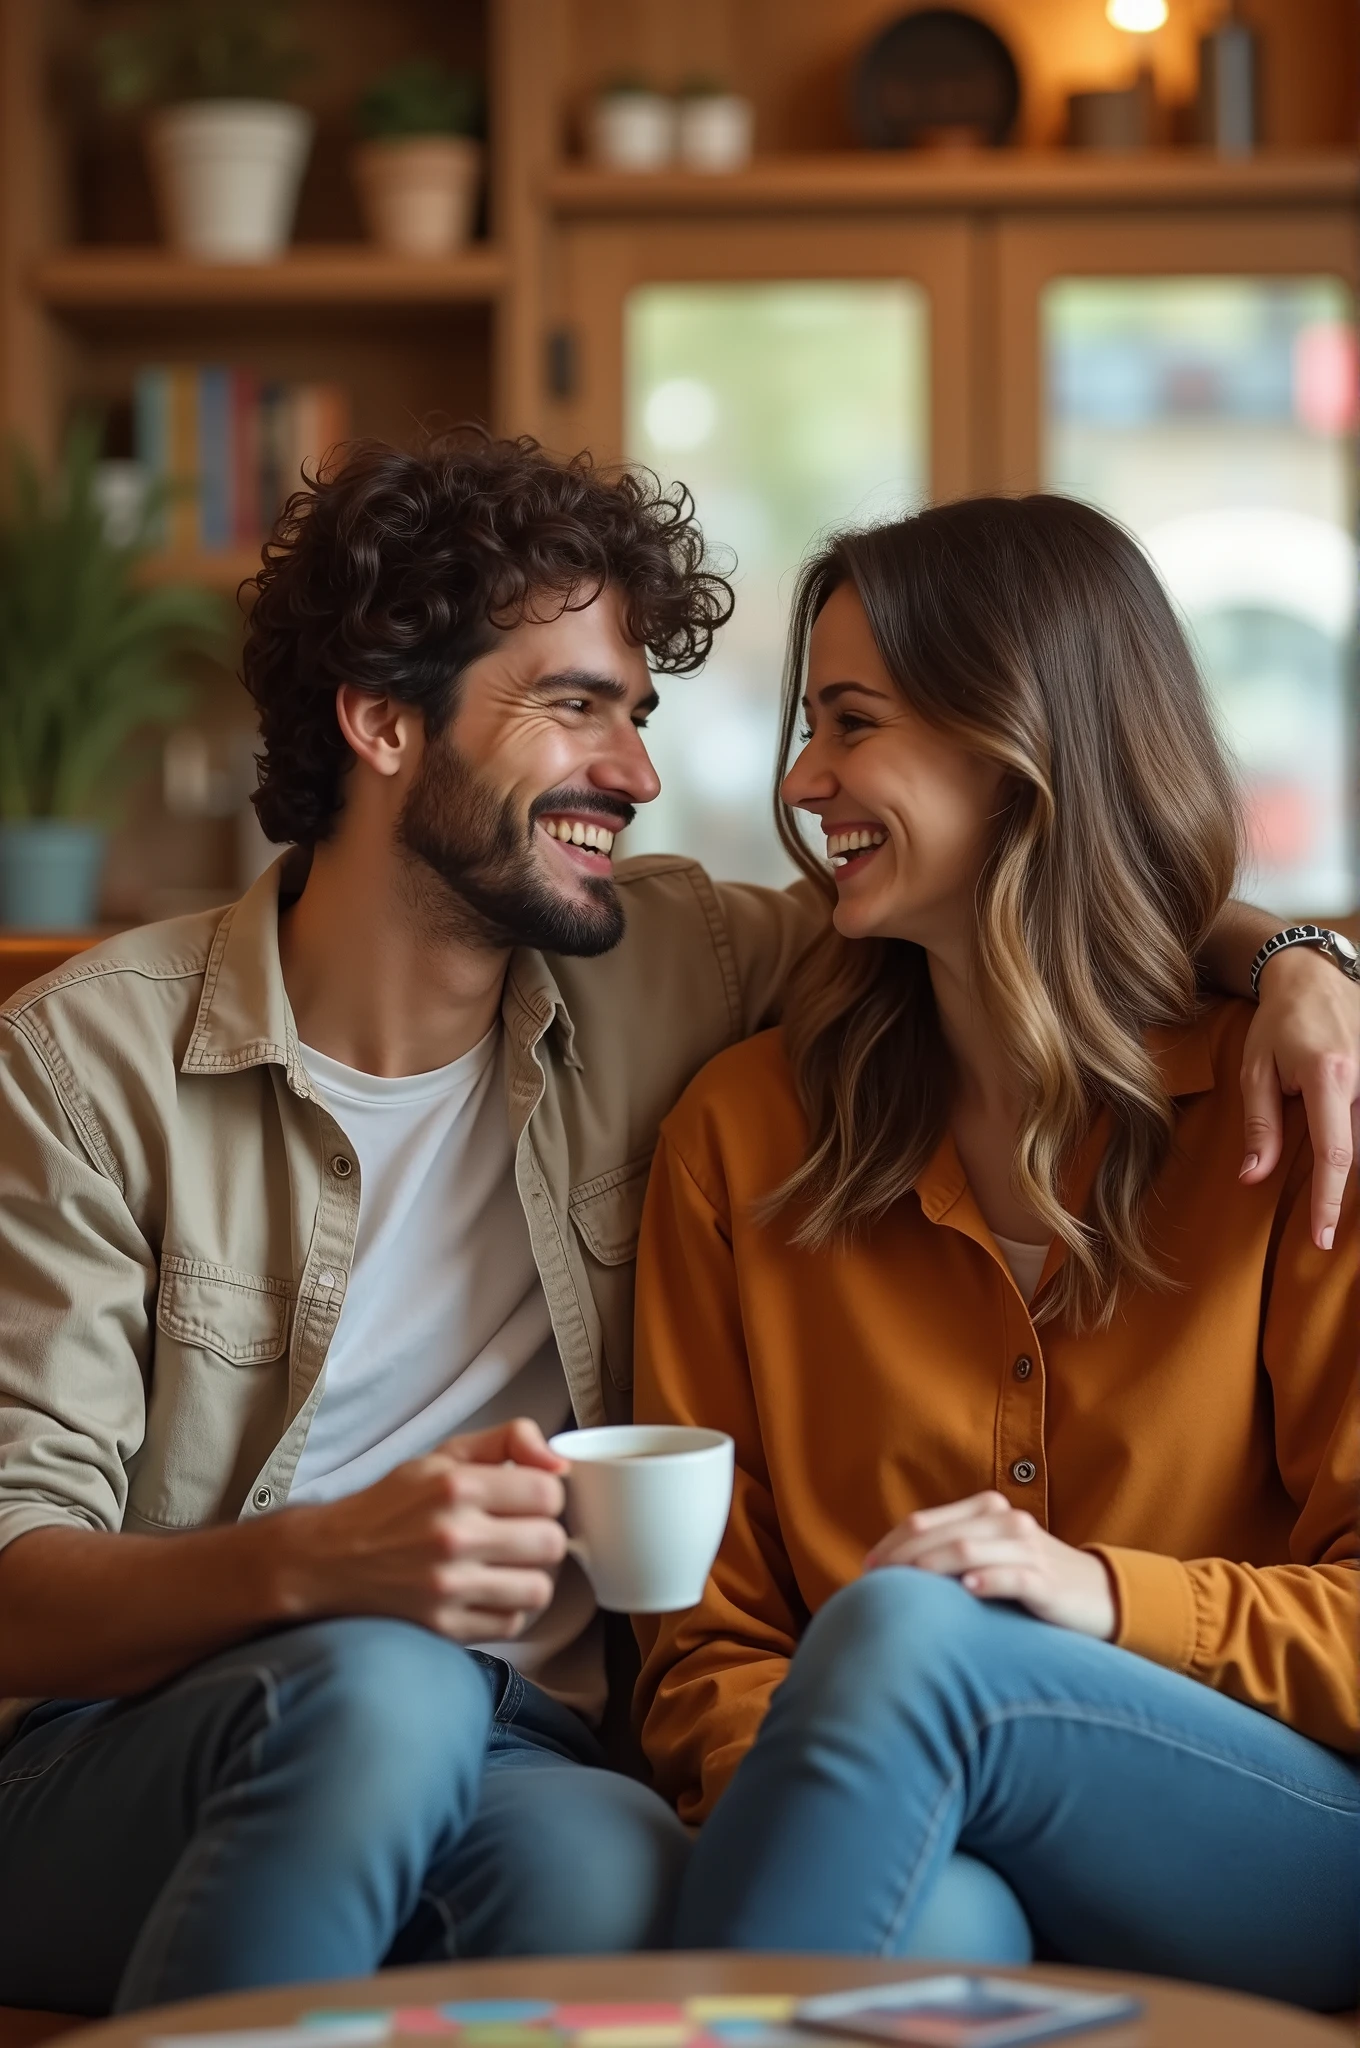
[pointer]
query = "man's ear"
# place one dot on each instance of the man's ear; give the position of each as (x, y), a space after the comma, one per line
(382, 732)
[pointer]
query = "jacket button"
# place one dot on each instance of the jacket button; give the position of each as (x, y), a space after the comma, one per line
(1023, 1368)
(1022, 1471)
(261, 1497)
(341, 1167)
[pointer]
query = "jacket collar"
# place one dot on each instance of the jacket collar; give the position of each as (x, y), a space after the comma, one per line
(244, 1017)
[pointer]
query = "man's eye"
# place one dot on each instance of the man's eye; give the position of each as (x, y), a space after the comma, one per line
(573, 704)
(641, 724)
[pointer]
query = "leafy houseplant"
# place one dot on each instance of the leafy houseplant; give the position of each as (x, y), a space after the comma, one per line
(418, 168)
(87, 660)
(228, 152)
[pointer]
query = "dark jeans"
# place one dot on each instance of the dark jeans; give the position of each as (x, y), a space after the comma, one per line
(313, 1804)
(1141, 1820)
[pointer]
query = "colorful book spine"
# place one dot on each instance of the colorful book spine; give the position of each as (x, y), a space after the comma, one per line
(216, 513)
(182, 460)
(247, 518)
(151, 441)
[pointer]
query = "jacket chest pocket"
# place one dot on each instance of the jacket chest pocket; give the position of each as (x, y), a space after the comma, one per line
(234, 1315)
(217, 1398)
(607, 1215)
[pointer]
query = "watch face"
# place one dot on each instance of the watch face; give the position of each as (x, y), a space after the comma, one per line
(1348, 951)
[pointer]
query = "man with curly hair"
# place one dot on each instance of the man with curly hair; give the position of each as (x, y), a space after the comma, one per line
(320, 1214)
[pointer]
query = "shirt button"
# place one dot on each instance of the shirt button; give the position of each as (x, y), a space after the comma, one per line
(326, 1279)
(341, 1167)
(262, 1497)
(1023, 1368)
(1022, 1471)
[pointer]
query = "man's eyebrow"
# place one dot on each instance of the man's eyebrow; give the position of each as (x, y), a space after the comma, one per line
(829, 692)
(587, 683)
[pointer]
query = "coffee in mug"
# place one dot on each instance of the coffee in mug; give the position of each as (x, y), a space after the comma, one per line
(646, 1509)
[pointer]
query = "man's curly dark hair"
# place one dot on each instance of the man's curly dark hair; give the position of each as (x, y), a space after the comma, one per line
(393, 571)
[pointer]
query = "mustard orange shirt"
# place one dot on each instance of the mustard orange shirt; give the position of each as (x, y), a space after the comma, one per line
(1207, 1444)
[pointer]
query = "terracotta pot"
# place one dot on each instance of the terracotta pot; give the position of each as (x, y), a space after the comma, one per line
(227, 174)
(418, 193)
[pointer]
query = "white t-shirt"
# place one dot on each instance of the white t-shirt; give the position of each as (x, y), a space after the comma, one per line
(1025, 1260)
(444, 1328)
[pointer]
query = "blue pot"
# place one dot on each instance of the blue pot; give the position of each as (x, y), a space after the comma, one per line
(50, 870)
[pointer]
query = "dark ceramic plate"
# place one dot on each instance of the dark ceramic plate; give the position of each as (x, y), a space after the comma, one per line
(935, 75)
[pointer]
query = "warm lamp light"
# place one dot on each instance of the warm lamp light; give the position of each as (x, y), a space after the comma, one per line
(1138, 17)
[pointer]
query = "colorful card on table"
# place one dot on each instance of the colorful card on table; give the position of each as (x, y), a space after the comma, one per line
(963, 2012)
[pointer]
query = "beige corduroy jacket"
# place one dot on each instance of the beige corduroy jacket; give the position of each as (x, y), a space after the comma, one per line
(178, 1209)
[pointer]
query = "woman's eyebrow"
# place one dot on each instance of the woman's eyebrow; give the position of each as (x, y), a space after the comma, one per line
(829, 692)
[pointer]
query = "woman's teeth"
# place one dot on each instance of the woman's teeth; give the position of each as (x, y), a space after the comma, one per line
(572, 832)
(842, 846)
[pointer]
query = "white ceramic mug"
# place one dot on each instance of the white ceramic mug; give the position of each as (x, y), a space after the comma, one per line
(646, 1509)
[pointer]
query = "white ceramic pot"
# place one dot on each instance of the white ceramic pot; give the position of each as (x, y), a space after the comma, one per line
(228, 173)
(418, 193)
(716, 132)
(632, 131)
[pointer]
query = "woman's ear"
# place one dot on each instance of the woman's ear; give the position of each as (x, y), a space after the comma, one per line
(382, 732)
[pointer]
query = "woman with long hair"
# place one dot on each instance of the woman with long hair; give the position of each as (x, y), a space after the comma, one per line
(1035, 1620)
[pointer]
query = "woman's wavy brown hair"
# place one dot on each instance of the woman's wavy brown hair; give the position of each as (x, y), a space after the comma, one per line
(1034, 631)
(395, 570)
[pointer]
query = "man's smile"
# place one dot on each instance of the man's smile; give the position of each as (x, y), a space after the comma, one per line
(585, 843)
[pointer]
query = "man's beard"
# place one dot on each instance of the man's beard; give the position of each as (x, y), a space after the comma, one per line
(473, 871)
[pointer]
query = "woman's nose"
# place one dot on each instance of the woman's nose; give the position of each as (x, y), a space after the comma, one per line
(807, 784)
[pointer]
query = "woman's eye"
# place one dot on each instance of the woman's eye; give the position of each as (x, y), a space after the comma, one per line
(849, 721)
(804, 735)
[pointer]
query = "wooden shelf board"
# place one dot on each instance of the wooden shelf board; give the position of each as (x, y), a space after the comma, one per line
(883, 180)
(94, 279)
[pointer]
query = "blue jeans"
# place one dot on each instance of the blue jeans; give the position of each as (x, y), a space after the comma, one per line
(314, 1804)
(1138, 1820)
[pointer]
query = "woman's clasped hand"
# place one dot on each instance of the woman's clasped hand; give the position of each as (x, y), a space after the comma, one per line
(1002, 1553)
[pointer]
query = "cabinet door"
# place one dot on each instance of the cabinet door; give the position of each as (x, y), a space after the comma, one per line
(1200, 385)
(793, 379)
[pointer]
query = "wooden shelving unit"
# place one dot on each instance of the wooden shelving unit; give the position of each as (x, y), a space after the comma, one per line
(1012, 179)
(149, 280)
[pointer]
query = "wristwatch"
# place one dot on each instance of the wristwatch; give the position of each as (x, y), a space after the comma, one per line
(1341, 951)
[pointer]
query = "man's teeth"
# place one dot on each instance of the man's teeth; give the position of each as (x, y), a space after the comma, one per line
(841, 846)
(573, 833)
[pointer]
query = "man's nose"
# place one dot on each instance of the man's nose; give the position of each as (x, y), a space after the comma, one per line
(627, 770)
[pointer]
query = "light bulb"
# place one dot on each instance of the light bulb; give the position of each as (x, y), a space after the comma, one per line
(1138, 17)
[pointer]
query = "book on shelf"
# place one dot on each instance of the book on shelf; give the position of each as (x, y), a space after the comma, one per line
(231, 447)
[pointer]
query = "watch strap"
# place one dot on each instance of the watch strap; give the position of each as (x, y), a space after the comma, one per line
(1295, 935)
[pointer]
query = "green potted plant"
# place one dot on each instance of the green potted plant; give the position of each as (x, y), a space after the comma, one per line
(227, 151)
(87, 661)
(418, 168)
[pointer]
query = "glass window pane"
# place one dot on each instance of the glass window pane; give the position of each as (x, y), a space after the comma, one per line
(787, 409)
(1214, 416)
